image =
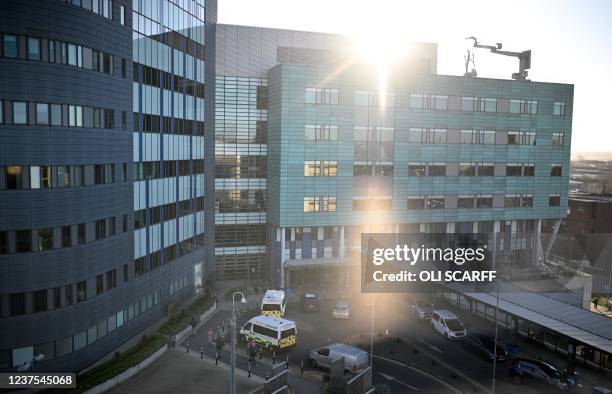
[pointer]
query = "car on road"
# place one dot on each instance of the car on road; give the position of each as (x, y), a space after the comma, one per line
(538, 372)
(355, 359)
(485, 347)
(310, 302)
(270, 332)
(342, 309)
(422, 309)
(448, 324)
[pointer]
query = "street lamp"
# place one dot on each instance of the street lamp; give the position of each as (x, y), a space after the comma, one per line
(233, 340)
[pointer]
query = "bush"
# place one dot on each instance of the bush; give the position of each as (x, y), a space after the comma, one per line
(176, 323)
(120, 363)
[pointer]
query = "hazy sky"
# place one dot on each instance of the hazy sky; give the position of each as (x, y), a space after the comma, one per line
(571, 41)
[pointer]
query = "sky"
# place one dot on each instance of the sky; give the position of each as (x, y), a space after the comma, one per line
(571, 40)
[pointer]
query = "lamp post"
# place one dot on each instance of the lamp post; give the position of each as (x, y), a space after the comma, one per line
(233, 340)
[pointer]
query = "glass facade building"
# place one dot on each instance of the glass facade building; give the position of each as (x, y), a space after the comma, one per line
(103, 182)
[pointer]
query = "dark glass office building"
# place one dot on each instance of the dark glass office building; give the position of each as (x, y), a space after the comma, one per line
(103, 182)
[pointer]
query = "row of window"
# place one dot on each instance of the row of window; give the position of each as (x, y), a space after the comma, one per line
(169, 212)
(42, 239)
(152, 124)
(169, 254)
(323, 132)
(17, 177)
(66, 115)
(153, 169)
(434, 101)
(60, 52)
(320, 204)
(320, 168)
(72, 343)
(237, 201)
(165, 80)
(101, 7)
(330, 168)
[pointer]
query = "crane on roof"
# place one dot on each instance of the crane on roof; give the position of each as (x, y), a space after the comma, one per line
(524, 59)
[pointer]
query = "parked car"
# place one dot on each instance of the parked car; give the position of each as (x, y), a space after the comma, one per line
(422, 309)
(485, 347)
(310, 302)
(448, 324)
(355, 359)
(524, 370)
(342, 310)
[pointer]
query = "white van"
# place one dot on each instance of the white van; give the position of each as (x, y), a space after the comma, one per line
(447, 323)
(274, 303)
(355, 359)
(270, 332)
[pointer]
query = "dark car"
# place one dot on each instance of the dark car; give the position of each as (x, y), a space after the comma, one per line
(485, 347)
(310, 302)
(538, 372)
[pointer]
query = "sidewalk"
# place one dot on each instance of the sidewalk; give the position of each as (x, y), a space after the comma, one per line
(177, 372)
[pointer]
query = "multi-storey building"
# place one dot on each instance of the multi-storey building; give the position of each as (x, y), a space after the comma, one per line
(430, 153)
(103, 183)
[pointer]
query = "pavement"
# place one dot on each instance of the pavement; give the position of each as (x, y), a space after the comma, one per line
(179, 372)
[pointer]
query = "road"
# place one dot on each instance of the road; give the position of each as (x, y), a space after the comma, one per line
(428, 362)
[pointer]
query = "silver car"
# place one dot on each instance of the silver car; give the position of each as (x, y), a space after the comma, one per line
(422, 309)
(355, 359)
(342, 310)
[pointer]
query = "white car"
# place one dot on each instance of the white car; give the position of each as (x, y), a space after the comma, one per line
(342, 310)
(448, 324)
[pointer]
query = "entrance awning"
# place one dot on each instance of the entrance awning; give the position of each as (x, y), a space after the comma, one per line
(320, 262)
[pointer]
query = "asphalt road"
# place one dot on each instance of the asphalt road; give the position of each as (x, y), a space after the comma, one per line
(398, 336)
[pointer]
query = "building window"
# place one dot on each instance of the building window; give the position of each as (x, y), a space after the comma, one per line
(321, 96)
(360, 169)
(125, 273)
(312, 168)
(39, 299)
(513, 169)
(486, 169)
(81, 289)
(559, 108)
(20, 112)
(554, 200)
(14, 178)
(488, 104)
(521, 138)
(17, 303)
(79, 176)
(416, 202)
(121, 14)
(111, 279)
(69, 294)
(527, 201)
(523, 107)
(10, 46)
(56, 115)
(383, 169)
(435, 202)
(100, 227)
(33, 48)
(23, 240)
(330, 168)
(512, 200)
(467, 169)
(45, 239)
(484, 201)
(81, 238)
(416, 169)
(42, 113)
(328, 204)
(529, 169)
(57, 297)
(468, 103)
(465, 201)
(436, 169)
(139, 267)
(557, 139)
(555, 169)
(3, 242)
(99, 284)
(321, 132)
(66, 236)
(63, 176)
(311, 204)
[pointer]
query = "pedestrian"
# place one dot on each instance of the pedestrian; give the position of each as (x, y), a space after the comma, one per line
(596, 303)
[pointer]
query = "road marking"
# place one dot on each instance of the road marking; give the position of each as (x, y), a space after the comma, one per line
(422, 372)
(432, 347)
(392, 378)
